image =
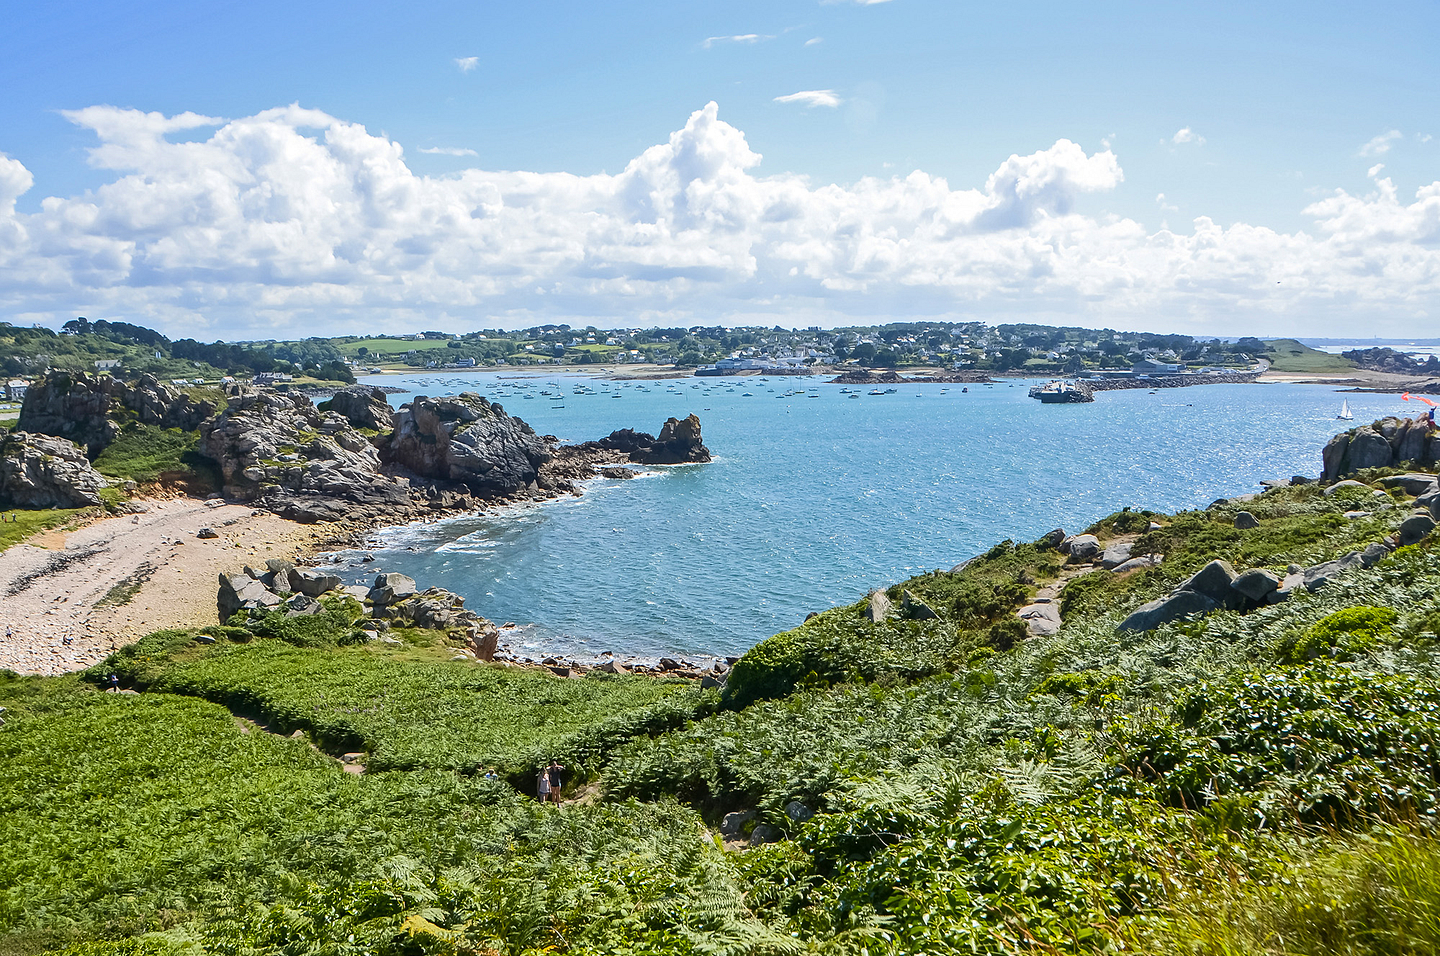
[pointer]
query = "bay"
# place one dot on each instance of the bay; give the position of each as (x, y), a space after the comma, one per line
(817, 496)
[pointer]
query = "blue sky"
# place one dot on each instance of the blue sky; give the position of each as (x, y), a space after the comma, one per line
(1281, 104)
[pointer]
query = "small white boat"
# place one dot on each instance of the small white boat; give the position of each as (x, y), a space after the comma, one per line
(1345, 413)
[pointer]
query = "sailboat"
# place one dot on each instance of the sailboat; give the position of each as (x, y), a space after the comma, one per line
(1345, 413)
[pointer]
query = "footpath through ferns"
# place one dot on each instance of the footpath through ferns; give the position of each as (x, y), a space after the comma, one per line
(919, 772)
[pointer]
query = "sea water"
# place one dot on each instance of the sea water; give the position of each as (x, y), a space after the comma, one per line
(818, 495)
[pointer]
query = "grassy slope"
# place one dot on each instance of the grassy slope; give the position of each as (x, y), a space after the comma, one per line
(1288, 355)
(976, 791)
(409, 709)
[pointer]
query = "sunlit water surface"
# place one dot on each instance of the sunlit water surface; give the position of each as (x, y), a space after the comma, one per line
(815, 498)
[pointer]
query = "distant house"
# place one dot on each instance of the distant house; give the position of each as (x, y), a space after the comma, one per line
(272, 378)
(104, 365)
(15, 389)
(1152, 367)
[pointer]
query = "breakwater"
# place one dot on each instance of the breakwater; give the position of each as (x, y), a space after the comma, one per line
(1170, 381)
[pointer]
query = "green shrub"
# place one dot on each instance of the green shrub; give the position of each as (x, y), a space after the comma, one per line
(147, 453)
(1344, 633)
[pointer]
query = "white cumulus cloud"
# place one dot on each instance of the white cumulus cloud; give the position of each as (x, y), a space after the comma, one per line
(467, 63)
(1187, 135)
(449, 151)
(812, 98)
(1381, 144)
(295, 222)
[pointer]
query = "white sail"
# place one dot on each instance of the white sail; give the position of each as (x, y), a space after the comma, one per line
(1345, 414)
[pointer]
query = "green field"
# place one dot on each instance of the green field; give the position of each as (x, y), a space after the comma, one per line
(1288, 355)
(388, 348)
(1258, 781)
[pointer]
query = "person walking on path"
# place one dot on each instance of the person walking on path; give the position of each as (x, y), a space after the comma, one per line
(542, 785)
(553, 772)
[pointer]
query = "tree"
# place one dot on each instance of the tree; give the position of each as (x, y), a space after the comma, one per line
(864, 353)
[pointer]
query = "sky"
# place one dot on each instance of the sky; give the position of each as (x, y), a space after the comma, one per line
(262, 169)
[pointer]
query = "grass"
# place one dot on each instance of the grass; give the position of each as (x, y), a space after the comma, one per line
(122, 815)
(931, 784)
(31, 522)
(1373, 895)
(408, 710)
(391, 348)
(1288, 355)
(148, 453)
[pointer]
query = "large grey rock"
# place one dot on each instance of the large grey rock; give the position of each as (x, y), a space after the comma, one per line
(1256, 584)
(1388, 442)
(1415, 483)
(679, 443)
(240, 592)
(1317, 576)
(1214, 581)
(468, 441)
(877, 608)
(912, 608)
(41, 471)
(310, 582)
(1041, 620)
(363, 407)
(1116, 555)
(1292, 581)
(797, 812)
(301, 605)
(1375, 553)
(281, 451)
(392, 587)
(1416, 528)
(1167, 609)
(1136, 564)
(1084, 547)
(1244, 521)
(1050, 539)
(90, 410)
(436, 608)
(733, 824)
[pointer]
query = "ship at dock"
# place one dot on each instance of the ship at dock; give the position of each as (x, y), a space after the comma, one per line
(1062, 393)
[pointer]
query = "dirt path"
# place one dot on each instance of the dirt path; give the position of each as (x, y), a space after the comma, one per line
(116, 580)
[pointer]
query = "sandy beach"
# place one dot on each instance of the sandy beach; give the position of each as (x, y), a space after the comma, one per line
(117, 579)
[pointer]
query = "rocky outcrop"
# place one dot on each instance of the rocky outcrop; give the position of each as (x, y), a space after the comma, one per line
(42, 471)
(467, 441)
(1387, 443)
(90, 410)
(679, 443)
(281, 451)
(363, 407)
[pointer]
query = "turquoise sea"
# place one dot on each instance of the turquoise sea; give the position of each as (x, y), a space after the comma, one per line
(815, 498)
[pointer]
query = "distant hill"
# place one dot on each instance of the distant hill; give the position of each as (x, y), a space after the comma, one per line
(1288, 355)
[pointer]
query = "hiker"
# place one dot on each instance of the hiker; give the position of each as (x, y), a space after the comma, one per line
(542, 785)
(114, 683)
(553, 773)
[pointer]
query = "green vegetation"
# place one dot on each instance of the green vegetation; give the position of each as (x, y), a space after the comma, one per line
(1256, 781)
(26, 523)
(148, 453)
(1288, 355)
(408, 711)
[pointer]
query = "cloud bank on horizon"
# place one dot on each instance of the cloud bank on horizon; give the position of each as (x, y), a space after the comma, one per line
(294, 222)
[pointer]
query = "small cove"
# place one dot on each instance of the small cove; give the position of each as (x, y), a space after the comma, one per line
(816, 496)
